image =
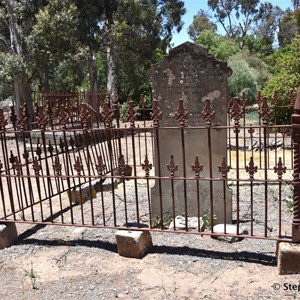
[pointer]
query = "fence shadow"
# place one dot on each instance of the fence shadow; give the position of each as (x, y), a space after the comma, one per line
(243, 256)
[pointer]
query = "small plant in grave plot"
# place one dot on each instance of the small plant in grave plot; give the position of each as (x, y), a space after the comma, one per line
(32, 277)
(207, 220)
(289, 200)
(157, 222)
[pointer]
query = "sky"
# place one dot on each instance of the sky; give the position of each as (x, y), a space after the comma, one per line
(193, 6)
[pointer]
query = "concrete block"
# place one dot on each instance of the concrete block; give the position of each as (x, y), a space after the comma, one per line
(288, 258)
(8, 234)
(133, 244)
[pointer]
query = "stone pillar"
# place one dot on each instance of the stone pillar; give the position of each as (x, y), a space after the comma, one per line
(296, 175)
(8, 234)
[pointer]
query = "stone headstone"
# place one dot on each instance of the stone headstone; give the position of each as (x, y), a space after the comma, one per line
(189, 73)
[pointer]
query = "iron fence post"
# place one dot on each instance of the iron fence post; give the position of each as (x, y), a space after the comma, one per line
(296, 174)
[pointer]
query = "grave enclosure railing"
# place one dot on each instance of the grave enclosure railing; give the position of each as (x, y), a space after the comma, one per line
(68, 170)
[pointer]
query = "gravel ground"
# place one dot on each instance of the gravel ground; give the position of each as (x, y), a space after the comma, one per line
(56, 262)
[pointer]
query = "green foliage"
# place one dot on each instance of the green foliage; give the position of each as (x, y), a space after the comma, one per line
(123, 110)
(11, 66)
(201, 22)
(242, 80)
(207, 220)
(54, 34)
(141, 34)
(235, 16)
(159, 55)
(257, 64)
(286, 78)
(158, 223)
(267, 20)
(249, 23)
(288, 28)
(221, 47)
(225, 48)
(32, 277)
(256, 45)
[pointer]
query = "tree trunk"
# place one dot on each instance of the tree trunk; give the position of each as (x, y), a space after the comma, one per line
(111, 86)
(94, 97)
(46, 79)
(21, 86)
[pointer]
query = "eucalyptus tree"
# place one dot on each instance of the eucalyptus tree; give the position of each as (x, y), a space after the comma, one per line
(201, 21)
(235, 16)
(139, 28)
(16, 20)
(267, 25)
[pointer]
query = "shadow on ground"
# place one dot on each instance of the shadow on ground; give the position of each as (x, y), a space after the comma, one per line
(243, 256)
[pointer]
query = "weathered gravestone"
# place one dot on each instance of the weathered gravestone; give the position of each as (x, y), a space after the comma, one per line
(189, 73)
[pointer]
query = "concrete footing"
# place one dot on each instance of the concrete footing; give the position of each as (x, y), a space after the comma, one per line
(288, 258)
(133, 244)
(8, 234)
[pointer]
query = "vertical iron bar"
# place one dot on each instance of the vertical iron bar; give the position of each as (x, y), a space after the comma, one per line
(266, 177)
(135, 174)
(7, 173)
(236, 131)
(2, 194)
(280, 206)
(184, 180)
(210, 177)
(67, 168)
(251, 205)
(156, 134)
(49, 183)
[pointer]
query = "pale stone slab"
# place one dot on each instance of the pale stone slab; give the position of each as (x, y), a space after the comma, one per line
(288, 258)
(83, 193)
(134, 244)
(230, 229)
(8, 234)
(88, 190)
(179, 223)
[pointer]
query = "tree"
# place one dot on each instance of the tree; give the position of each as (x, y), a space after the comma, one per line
(288, 28)
(55, 44)
(242, 80)
(17, 54)
(241, 18)
(221, 47)
(235, 16)
(267, 21)
(296, 4)
(257, 65)
(286, 77)
(138, 30)
(66, 37)
(201, 22)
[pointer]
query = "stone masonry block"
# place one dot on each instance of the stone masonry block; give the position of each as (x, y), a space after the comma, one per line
(83, 193)
(8, 234)
(133, 244)
(288, 258)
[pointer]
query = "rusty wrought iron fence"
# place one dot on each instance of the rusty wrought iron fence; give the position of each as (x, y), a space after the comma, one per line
(72, 171)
